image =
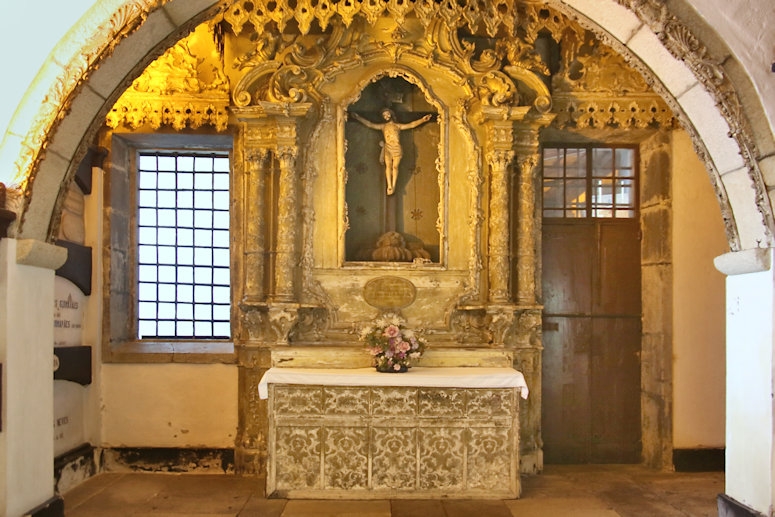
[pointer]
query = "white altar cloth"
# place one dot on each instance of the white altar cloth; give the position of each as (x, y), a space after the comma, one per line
(437, 377)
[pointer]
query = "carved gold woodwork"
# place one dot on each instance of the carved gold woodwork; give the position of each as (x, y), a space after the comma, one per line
(185, 87)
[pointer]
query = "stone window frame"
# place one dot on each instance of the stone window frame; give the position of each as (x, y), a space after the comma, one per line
(119, 334)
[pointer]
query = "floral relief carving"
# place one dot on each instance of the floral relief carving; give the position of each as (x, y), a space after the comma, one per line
(442, 454)
(346, 401)
(488, 458)
(394, 451)
(442, 402)
(394, 401)
(298, 400)
(297, 457)
(346, 458)
(490, 403)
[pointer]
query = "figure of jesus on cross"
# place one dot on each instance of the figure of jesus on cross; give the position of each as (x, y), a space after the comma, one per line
(391, 146)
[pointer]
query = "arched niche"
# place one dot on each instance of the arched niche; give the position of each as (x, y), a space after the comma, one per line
(392, 222)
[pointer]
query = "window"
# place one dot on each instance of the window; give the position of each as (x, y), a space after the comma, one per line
(183, 279)
(596, 182)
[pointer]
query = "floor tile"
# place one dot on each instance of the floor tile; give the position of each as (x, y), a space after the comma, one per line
(315, 508)
(417, 508)
(560, 507)
(470, 508)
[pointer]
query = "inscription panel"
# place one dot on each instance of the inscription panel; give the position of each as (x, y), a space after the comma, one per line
(389, 292)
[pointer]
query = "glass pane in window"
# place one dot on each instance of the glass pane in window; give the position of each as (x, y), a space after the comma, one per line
(186, 311)
(146, 292)
(167, 254)
(554, 213)
(203, 312)
(203, 238)
(576, 163)
(185, 218)
(203, 199)
(553, 193)
(203, 181)
(146, 198)
(147, 273)
(203, 328)
(146, 328)
(221, 276)
(185, 274)
(147, 163)
(147, 310)
(166, 311)
(184, 328)
(185, 164)
(203, 294)
(625, 162)
(166, 199)
(146, 254)
(221, 239)
(221, 200)
(167, 163)
(166, 292)
(146, 217)
(146, 235)
(602, 193)
(221, 164)
(203, 276)
(203, 257)
(185, 293)
(221, 258)
(167, 236)
(203, 219)
(185, 256)
(576, 194)
(221, 295)
(625, 194)
(166, 181)
(185, 199)
(185, 181)
(185, 237)
(221, 329)
(602, 160)
(166, 328)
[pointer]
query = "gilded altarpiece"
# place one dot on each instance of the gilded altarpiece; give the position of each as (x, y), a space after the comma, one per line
(489, 80)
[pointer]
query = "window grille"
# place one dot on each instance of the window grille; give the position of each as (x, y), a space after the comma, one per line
(183, 245)
(597, 182)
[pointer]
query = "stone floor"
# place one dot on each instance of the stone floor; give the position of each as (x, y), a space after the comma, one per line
(577, 491)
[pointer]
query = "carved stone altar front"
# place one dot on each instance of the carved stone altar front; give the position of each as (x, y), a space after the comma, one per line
(392, 442)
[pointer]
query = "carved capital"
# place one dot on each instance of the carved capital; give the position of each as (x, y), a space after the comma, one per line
(283, 318)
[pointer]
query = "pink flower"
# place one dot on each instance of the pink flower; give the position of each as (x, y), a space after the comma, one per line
(396, 367)
(392, 331)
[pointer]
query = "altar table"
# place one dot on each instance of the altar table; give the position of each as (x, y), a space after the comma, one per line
(360, 434)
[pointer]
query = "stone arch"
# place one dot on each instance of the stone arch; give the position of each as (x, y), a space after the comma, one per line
(668, 54)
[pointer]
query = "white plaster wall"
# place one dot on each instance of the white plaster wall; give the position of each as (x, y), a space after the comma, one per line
(26, 352)
(169, 405)
(749, 447)
(698, 304)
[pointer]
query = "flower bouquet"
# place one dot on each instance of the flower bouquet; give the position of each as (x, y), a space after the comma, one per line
(392, 345)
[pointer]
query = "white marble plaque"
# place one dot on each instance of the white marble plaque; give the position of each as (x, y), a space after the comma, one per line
(69, 306)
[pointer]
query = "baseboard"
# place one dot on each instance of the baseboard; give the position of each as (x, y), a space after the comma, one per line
(728, 507)
(54, 507)
(699, 460)
(76, 466)
(167, 459)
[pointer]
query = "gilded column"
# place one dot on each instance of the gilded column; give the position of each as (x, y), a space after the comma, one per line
(499, 158)
(526, 234)
(256, 225)
(287, 224)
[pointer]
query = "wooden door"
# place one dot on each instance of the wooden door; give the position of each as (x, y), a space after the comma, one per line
(591, 336)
